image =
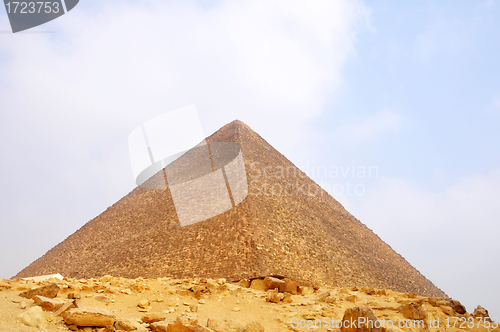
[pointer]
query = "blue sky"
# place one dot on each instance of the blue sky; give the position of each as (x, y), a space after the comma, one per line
(412, 89)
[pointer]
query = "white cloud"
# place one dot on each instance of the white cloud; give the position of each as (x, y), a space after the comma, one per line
(69, 100)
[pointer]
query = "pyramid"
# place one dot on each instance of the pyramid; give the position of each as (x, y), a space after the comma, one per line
(300, 234)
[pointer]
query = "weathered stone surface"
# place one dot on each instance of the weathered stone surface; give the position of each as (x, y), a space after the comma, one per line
(480, 312)
(274, 297)
(47, 304)
(181, 324)
(351, 321)
(154, 317)
(5, 285)
(49, 291)
(89, 317)
(458, 307)
(448, 310)
(258, 284)
(291, 286)
(224, 325)
(275, 283)
(413, 311)
(128, 325)
(244, 283)
(33, 317)
(253, 327)
(305, 290)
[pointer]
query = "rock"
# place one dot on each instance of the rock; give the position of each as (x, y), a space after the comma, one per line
(258, 284)
(107, 278)
(22, 305)
(33, 317)
(287, 298)
(448, 310)
(224, 325)
(458, 307)
(351, 321)
(351, 298)
(480, 312)
(253, 327)
(274, 297)
(181, 324)
(291, 286)
(89, 317)
(244, 283)
(49, 291)
(154, 317)
(5, 285)
(438, 302)
(128, 325)
(303, 290)
(143, 304)
(275, 283)
(413, 311)
(47, 304)
(65, 307)
(74, 296)
(221, 281)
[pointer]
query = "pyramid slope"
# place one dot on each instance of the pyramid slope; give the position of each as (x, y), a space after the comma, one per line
(298, 235)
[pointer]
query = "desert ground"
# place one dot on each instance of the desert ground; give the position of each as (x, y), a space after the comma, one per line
(267, 304)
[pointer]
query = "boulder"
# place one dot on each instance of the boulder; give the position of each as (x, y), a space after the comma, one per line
(224, 325)
(244, 283)
(89, 317)
(253, 327)
(33, 317)
(181, 324)
(258, 284)
(128, 325)
(49, 291)
(291, 286)
(351, 321)
(47, 304)
(275, 283)
(154, 317)
(274, 297)
(458, 307)
(480, 312)
(413, 311)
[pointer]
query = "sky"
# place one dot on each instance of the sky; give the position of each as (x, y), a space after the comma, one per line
(398, 101)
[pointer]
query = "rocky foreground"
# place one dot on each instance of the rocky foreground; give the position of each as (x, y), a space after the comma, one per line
(207, 305)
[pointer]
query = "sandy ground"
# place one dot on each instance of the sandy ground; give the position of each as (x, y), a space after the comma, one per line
(225, 300)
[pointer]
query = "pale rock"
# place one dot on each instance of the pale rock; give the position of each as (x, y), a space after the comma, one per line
(107, 278)
(181, 324)
(303, 290)
(143, 304)
(88, 317)
(33, 317)
(448, 310)
(47, 304)
(480, 312)
(275, 283)
(291, 286)
(351, 298)
(74, 296)
(129, 325)
(22, 305)
(221, 281)
(49, 291)
(154, 317)
(253, 327)
(287, 298)
(244, 283)
(413, 311)
(224, 325)
(353, 314)
(5, 285)
(458, 307)
(258, 284)
(274, 297)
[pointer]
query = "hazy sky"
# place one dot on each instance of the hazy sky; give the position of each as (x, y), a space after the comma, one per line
(410, 89)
